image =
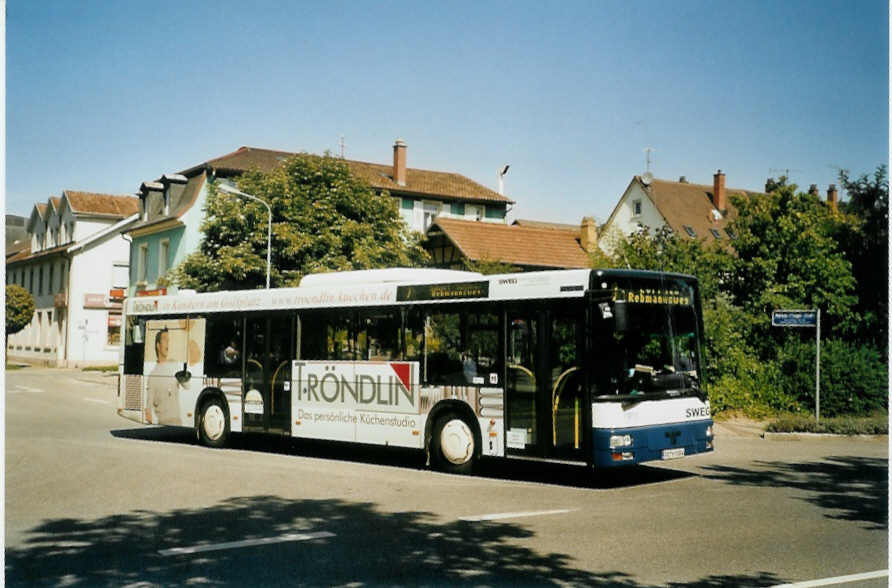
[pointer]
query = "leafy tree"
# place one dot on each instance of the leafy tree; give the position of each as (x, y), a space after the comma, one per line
(19, 309)
(788, 257)
(865, 243)
(324, 219)
(488, 266)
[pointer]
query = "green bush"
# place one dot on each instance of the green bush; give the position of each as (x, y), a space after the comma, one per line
(853, 377)
(877, 424)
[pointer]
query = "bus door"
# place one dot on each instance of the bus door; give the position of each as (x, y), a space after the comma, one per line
(546, 410)
(269, 349)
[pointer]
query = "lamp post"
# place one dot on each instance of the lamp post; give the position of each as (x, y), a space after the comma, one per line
(269, 223)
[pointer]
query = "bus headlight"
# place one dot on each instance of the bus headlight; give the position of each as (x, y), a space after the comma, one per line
(620, 441)
(709, 431)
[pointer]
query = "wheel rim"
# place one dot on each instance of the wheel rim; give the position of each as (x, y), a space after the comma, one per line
(457, 442)
(213, 422)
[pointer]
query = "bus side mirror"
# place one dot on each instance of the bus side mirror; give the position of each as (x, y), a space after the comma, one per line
(620, 316)
(136, 333)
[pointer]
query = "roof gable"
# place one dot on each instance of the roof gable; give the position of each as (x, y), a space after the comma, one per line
(515, 244)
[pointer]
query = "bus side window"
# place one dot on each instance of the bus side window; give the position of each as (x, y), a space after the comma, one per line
(462, 347)
(413, 338)
(378, 337)
(327, 335)
(223, 347)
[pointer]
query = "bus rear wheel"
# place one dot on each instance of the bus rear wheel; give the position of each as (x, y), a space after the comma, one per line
(213, 426)
(452, 446)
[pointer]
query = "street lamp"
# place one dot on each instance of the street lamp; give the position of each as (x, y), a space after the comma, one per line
(269, 223)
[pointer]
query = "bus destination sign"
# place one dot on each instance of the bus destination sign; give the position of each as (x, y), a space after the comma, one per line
(442, 291)
(794, 318)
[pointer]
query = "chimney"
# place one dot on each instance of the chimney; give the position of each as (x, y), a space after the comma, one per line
(832, 196)
(399, 162)
(813, 189)
(719, 198)
(589, 234)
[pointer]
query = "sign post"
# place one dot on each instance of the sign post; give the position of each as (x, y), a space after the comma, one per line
(805, 319)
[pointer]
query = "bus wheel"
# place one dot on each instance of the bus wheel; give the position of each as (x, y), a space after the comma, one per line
(452, 445)
(213, 428)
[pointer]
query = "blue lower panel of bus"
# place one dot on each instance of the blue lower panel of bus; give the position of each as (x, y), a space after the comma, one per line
(656, 442)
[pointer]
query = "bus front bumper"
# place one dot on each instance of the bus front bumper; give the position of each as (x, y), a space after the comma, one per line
(629, 446)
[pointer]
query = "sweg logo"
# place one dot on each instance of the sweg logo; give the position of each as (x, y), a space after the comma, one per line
(365, 389)
(691, 413)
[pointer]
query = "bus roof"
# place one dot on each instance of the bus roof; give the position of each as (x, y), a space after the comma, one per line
(381, 290)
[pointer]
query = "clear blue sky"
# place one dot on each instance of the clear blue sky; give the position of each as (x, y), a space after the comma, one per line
(102, 96)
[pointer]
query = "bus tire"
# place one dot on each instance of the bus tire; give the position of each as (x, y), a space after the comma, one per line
(213, 423)
(452, 445)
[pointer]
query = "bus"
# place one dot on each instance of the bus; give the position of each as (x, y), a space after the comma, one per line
(599, 368)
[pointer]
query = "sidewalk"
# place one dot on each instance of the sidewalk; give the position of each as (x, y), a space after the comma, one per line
(739, 428)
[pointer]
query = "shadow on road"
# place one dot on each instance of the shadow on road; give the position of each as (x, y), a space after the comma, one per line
(366, 547)
(854, 488)
(516, 470)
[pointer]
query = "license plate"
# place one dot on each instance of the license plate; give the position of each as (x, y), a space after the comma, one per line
(673, 453)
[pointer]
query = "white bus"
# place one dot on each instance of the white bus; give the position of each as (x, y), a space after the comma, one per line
(594, 367)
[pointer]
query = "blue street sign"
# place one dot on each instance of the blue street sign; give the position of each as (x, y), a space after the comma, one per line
(794, 318)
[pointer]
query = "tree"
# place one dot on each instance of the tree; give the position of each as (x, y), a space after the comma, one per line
(788, 257)
(865, 244)
(324, 219)
(19, 309)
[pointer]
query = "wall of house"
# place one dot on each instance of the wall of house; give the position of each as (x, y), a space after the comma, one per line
(625, 222)
(92, 272)
(414, 212)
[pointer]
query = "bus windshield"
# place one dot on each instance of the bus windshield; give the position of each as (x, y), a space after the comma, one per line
(653, 350)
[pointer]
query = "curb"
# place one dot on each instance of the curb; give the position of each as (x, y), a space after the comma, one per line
(770, 436)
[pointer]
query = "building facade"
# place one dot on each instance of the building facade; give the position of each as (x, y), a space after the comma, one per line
(76, 267)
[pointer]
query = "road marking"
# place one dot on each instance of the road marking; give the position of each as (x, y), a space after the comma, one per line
(97, 400)
(20, 388)
(513, 515)
(245, 543)
(837, 580)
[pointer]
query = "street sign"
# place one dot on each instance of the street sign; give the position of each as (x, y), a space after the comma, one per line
(807, 319)
(794, 318)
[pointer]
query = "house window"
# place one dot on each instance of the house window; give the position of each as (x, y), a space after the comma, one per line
(457, 208)
(636, 207)
(62, 278)
(40, 280)
(473, 211)
(31, 280)
(49, 286)
(163, 253)
(494, 212)
(690, 231)
(142, 262)
(407, 204)
(120, 275)
(715, 233)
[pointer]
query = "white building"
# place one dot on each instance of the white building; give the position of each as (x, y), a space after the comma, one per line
(695, 211)
(77, 269)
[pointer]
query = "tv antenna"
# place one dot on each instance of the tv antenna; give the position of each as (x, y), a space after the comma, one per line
(786, 171)
(341, 146)
(647, 152)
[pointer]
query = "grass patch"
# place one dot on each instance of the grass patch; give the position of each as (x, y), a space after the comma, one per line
(100, 368)
(876, 424)
(14, 366)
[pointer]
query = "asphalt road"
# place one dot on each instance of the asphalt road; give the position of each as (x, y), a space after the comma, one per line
(92, 499)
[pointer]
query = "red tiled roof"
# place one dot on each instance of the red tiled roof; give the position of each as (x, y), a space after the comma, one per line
(445, 185)
(547, 225)
(104, 204)
(514, 244)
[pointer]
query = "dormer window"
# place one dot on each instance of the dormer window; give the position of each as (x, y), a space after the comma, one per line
(690, 231)
(731, 234)
(715, 233)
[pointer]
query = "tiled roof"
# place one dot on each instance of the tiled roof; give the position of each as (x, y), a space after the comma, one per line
(683, 204)
(514, 244)
(445, 185)
(41, 209)
(547, 225)
(26, 255)
(104, 204)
